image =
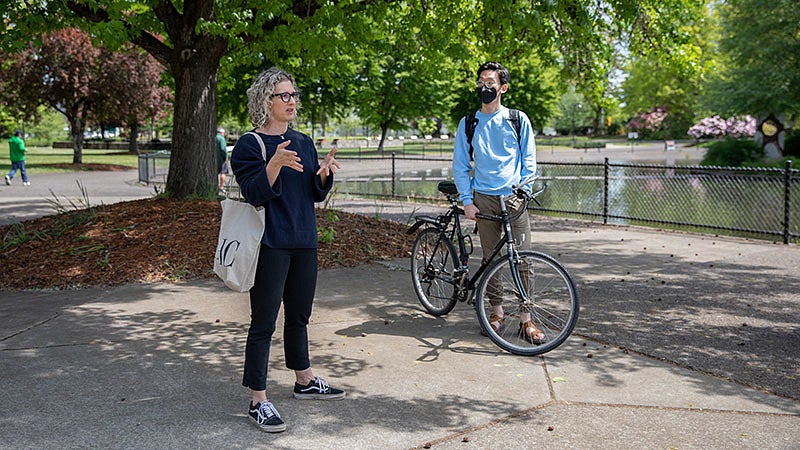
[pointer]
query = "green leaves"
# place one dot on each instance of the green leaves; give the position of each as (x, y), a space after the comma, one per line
(760, 54)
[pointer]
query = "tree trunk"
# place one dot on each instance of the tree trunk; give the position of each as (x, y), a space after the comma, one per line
(598, 124)
(384, 132)
(192, 165)
(76, 127)
(133, 139)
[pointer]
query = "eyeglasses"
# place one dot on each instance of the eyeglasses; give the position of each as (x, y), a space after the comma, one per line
(488, 84)
(285, 96)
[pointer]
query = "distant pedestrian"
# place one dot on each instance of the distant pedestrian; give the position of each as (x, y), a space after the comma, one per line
(223, 167)
(16, 149)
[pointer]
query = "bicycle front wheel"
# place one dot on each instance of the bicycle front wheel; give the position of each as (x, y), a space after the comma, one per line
(433, 260)
(551, 302)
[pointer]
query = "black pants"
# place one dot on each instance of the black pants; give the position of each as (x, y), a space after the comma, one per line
(282, 274)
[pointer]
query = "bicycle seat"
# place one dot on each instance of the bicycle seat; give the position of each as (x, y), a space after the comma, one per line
(447, 187)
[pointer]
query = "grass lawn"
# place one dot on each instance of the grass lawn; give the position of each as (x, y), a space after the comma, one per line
(49, 160)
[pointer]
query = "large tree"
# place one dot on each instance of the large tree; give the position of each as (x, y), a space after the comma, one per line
(652, 83)
(673, 84)
(86, 83)
(190, 38)
(63, 73)
(758, 67)
(131, 91)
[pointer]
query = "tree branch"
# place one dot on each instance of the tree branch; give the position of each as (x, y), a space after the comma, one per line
(143, 39)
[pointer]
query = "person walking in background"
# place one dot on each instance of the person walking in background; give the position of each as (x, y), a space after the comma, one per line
(16, 149)
(505, 155)
(223, 168)
(287, 185)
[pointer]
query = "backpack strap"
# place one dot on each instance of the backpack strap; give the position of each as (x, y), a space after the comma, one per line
(470, 122)
(513, 116)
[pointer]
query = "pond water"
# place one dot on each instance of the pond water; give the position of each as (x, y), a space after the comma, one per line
(683, 197)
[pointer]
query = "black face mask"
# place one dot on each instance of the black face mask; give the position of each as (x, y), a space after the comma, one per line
(486, 94)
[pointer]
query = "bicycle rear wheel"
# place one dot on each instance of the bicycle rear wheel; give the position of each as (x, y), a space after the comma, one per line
(551, 300)
(433, 260)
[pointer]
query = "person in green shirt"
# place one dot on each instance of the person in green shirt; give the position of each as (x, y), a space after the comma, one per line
(222, 159)
(16, 148)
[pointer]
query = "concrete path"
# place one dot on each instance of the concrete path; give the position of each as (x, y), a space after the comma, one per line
(685, 341)
(50, 191)
(159, 366)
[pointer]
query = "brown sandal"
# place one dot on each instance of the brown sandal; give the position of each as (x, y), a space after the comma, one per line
(501, 324)
(531, 333)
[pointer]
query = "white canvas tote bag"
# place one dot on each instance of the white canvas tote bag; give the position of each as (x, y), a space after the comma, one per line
(239, 243)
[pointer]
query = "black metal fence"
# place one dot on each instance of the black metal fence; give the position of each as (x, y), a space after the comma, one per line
(757, 202)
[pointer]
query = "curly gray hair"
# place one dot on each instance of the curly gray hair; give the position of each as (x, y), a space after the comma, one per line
(259, 102)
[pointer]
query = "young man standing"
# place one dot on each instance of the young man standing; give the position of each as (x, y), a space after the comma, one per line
(16, 149)
(504, 155)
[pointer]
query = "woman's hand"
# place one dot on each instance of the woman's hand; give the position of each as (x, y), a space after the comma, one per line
(286, 158)
(283, 157)
(329, 165)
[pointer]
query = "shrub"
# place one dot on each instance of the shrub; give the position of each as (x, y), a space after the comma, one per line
(714, 127)
(732, 153)
(650, 125)
(791, 146)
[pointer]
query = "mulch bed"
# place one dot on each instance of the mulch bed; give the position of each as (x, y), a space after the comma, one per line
(155, 240)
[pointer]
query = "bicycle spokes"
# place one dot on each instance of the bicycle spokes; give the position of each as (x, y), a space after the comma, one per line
(549, 301)
(432, 270)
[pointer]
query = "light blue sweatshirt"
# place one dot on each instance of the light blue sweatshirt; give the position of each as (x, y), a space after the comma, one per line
(500, 162)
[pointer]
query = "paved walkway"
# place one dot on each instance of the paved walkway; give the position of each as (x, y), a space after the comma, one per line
(69, 190)
(684, 341)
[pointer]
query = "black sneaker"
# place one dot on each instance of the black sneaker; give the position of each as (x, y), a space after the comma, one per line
(317, 389)
(266, 417)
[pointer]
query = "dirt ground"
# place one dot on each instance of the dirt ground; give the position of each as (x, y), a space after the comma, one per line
(153, 240)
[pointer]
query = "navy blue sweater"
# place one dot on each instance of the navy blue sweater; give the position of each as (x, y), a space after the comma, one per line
(289, 203)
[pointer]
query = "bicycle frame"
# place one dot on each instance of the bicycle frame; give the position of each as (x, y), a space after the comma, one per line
(451, 220)
(508, 242)
(543, 298)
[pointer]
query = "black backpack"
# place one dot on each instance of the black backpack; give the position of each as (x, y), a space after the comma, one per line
(470, 122)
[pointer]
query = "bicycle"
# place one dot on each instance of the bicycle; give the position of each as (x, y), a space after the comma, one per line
(531, 280)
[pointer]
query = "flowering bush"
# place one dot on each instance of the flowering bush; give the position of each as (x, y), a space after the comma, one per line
(715, 127)
(656, 124)
(741, 126)
(650, 121)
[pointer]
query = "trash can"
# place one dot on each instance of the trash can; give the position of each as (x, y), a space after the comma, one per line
(153, 165)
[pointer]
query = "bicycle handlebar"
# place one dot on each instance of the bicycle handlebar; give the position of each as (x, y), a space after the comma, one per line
(523, 194)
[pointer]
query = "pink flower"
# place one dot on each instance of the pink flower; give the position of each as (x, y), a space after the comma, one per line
(714, 127)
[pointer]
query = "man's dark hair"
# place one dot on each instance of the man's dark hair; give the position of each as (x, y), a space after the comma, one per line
(18, 133)
(502, 72)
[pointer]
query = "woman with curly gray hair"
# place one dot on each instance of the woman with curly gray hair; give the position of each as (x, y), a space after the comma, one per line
(286, 184)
